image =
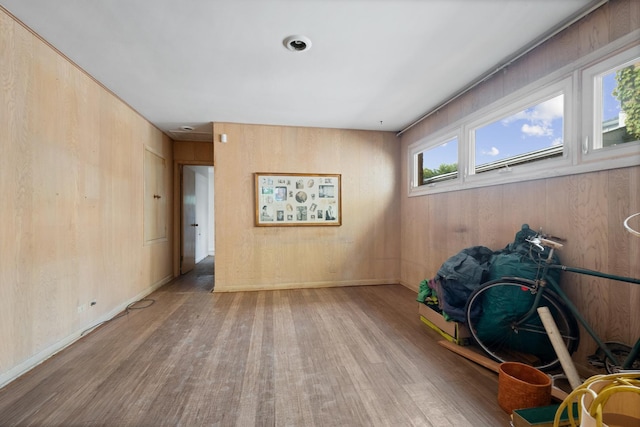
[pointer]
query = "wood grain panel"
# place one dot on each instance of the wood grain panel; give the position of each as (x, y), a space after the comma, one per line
(634, 14)
(586, 209)
(190, 151)
(594, 30)
(634, 254)
(621, 16)
(619, 310)
(364, 250)
(72, 180)
(493, 209)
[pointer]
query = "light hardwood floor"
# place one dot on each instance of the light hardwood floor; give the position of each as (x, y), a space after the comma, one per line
(354, 356)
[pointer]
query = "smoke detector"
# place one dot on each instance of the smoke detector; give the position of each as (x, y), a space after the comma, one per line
(297, 43)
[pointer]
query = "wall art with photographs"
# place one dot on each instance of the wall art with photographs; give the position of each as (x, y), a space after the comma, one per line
(295, 199)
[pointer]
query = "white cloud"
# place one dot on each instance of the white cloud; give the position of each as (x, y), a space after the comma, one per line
(493, 152)
(544, 112)
(540, 118)
(537, 130)
(557, 141)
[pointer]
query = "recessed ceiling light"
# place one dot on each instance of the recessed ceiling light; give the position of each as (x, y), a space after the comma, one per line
(186, 128)
(297, 43)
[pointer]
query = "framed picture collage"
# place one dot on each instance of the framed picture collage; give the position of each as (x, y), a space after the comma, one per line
(297, 199)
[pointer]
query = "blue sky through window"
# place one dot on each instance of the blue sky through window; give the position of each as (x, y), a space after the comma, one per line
(446, 153)
(532, 129)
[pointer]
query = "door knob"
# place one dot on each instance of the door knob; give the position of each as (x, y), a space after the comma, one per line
(194, 225)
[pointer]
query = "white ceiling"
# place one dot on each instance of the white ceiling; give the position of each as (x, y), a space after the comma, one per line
(373, 64)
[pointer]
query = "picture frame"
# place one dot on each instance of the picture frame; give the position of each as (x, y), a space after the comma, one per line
(297, 199)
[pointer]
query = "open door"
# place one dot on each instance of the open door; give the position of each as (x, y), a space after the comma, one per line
(189, 225)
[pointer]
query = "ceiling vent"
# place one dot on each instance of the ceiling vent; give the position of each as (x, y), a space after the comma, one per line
(297, 43)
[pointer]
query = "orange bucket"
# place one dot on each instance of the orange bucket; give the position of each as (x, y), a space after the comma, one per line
(522, 386)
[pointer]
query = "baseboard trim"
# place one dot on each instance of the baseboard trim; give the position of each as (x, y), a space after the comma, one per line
(219, 288)
(50, 351)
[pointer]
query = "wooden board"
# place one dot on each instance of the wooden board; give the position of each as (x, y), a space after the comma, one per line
(468, 352)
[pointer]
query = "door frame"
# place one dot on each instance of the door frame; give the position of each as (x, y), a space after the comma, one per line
(177, 208)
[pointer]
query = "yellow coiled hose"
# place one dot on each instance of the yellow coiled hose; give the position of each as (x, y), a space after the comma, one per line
(622, 382)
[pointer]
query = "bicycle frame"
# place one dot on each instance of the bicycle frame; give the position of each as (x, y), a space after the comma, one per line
(546, 280)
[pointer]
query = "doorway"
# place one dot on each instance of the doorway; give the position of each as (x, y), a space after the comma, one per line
(197, 222)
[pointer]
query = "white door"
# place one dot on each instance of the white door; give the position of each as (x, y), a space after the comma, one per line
(189, 224)
(202, 207)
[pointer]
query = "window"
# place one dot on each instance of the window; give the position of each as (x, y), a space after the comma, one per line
(436, 162)
(439, 163)
(528, 135)
(613, 126)
(533, 133)
(612, 89)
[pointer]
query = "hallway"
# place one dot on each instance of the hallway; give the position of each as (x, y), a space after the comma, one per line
(200, 279)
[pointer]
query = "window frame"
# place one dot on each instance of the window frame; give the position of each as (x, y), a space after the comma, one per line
(575, 82)
(464, 130)
(592, 112)
(516, 103)
(422, 146)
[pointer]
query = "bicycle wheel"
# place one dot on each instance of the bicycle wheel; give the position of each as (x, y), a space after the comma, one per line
(621, 351)
(493, 314)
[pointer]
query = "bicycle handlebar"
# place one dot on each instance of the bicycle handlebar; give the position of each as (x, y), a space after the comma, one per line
(540, 242)
(550, 243)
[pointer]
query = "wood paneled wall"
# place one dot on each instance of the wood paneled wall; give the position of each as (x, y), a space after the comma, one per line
(71, 180)
(364, 250)
(193, 152)
(586, 209)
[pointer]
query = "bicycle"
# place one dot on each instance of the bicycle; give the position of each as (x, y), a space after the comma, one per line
(503, 319)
